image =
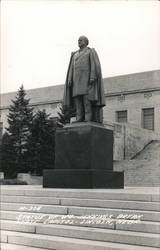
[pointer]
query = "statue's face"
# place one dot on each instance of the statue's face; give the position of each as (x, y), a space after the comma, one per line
(82, 42)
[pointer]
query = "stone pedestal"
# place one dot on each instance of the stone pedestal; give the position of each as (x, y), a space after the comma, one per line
(83, 158)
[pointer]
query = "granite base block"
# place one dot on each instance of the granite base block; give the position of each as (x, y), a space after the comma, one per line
(82, 178)
(83, 158)
(84, 146)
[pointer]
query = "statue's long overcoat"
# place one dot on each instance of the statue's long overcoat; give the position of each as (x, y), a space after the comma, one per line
(95, 89)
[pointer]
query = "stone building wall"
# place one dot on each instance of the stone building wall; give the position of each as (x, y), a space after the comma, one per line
(134, 103)
(129, 140)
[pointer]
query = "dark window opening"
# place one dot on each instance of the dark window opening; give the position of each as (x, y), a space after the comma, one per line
(148, 118)
(122, 116)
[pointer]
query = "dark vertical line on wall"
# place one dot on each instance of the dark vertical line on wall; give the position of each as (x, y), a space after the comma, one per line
(124, 152)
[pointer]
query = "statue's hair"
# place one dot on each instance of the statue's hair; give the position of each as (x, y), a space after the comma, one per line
(85, 38)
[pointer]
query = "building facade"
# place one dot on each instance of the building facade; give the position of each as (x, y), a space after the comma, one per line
(133, 99)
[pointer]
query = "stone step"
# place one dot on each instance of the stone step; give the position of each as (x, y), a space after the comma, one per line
(87, 233)
(31, 211)
(130, 183)
(143, 226)
(73, 210)
(118, 236)
(64, 243)
(30, 200)
(146, 215)
(130, 193)
(17, 227)
(6, 246)
(120, 224)
(53, 209)
(150, 206)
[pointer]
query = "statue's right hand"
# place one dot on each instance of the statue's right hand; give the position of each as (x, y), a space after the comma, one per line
(69, 83)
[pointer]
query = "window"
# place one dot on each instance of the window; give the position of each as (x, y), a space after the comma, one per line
(122, 116)
(148, 118)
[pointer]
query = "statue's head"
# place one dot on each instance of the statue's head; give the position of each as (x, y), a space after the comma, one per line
(83, 42)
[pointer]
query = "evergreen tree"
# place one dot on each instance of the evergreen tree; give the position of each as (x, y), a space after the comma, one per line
(8, 157)
(64, 116)
(19, 121)
(41, 144)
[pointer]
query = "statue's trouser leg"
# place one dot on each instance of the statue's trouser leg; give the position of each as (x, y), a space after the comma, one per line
(79, 108)
(87, 108)
(97, 114)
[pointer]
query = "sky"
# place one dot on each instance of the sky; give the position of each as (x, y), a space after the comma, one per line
(38, 36)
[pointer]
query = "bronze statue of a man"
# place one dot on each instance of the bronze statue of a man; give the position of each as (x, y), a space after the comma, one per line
(84, 89)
